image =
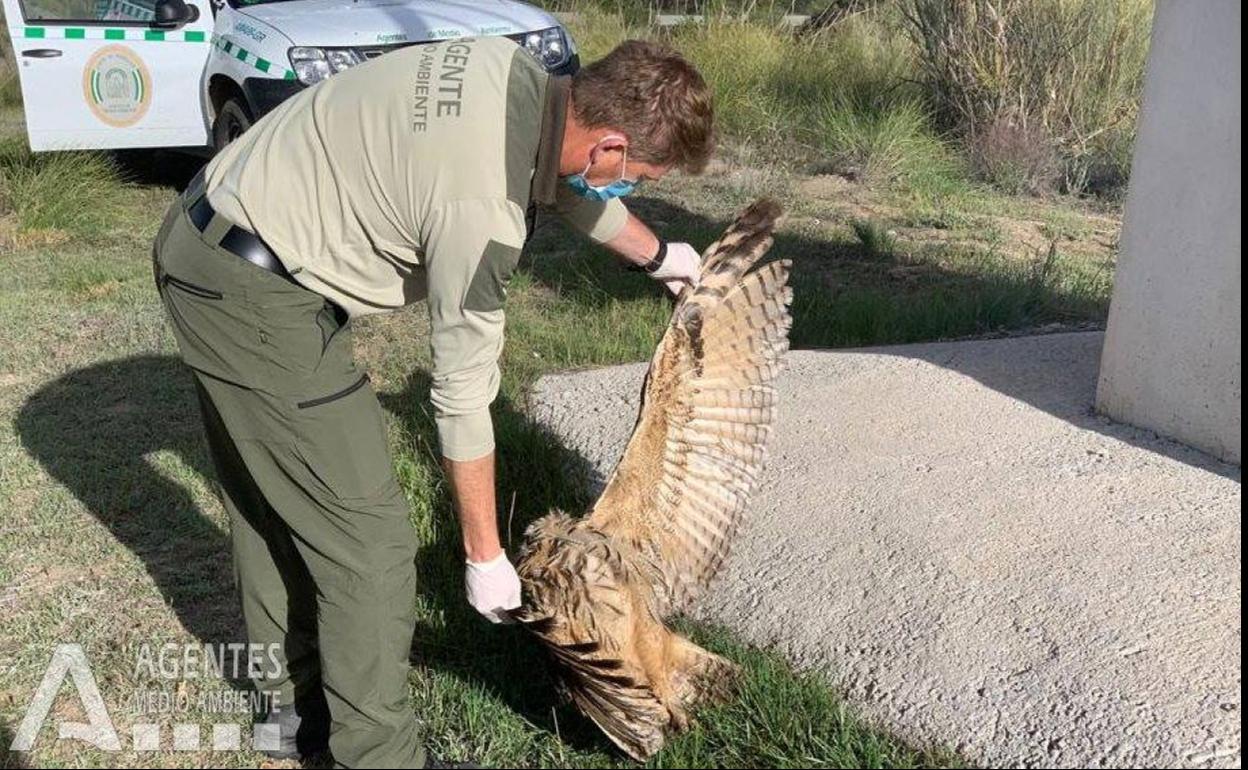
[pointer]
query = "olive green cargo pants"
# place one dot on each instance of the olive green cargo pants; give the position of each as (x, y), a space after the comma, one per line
(323, 548)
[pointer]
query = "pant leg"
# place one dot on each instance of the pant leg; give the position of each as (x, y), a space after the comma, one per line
(331, 481)
(310, 433)
(276, 591)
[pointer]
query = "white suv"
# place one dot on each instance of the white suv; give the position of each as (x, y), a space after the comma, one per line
(197, 73)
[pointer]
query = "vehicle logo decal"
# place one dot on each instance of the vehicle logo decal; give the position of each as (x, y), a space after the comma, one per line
(117, 86)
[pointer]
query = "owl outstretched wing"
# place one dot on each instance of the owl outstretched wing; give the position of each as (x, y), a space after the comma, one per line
(698, 447)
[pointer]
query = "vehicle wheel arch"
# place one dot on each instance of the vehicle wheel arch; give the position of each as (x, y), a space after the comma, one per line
(221, 88)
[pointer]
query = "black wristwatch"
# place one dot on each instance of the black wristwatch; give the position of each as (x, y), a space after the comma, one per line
(655, 262)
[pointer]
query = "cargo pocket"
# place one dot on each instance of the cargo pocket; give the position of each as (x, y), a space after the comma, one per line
(342, 440)
(335, 396)
(300, 332)
(195, 289)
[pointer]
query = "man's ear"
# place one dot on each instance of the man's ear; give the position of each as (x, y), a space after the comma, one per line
(611, 141)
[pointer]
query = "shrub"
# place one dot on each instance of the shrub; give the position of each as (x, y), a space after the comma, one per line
(1069, 70)
(882, 145)
(876, 240)
(1015, 158)
(60, 191)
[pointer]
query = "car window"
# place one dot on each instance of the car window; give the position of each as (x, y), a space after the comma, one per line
(88, 11)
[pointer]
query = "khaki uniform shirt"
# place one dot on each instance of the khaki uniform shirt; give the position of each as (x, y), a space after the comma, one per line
(411, 177)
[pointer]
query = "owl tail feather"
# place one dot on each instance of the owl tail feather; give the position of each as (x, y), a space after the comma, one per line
(638, 719)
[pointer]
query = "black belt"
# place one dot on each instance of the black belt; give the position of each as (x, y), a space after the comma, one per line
(239, 242)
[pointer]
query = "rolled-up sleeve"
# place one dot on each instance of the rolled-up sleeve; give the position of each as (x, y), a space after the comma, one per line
(600, 221)
(471, 249)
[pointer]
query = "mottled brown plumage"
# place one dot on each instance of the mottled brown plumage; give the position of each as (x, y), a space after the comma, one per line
(597, 589)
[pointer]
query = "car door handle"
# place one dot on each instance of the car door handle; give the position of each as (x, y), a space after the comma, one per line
(42, 53)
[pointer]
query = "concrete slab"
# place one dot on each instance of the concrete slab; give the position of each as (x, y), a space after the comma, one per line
(974, 557)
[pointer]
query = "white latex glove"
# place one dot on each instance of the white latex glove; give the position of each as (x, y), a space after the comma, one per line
(681, 267)
(493, 586)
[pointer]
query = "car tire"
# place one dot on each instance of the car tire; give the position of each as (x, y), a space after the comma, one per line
(233, 120)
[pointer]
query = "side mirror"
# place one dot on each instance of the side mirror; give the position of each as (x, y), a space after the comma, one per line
(171, 14)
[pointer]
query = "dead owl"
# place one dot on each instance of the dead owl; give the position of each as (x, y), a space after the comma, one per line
(597, 589)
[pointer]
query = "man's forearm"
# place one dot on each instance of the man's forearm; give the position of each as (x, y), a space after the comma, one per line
(636, 243)
(472, 489)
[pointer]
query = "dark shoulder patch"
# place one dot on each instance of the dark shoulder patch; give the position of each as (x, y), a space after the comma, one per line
(488, 289)
(526, 83)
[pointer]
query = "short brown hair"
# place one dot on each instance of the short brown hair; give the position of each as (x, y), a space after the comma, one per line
(649, 92)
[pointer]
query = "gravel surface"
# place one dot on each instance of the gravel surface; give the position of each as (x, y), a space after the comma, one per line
(974, 557)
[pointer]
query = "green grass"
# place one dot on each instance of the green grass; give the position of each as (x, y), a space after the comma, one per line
(68, 192)
(983, 293)
(779, 719)
(10, 88)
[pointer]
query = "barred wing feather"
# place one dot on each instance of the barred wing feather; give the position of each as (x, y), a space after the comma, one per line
(679, 492)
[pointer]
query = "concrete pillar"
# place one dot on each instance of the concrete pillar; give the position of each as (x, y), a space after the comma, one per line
(1172, 352)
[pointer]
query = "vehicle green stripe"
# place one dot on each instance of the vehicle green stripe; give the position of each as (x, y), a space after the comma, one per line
(156, 36)
(113, 33)
(236, 51)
